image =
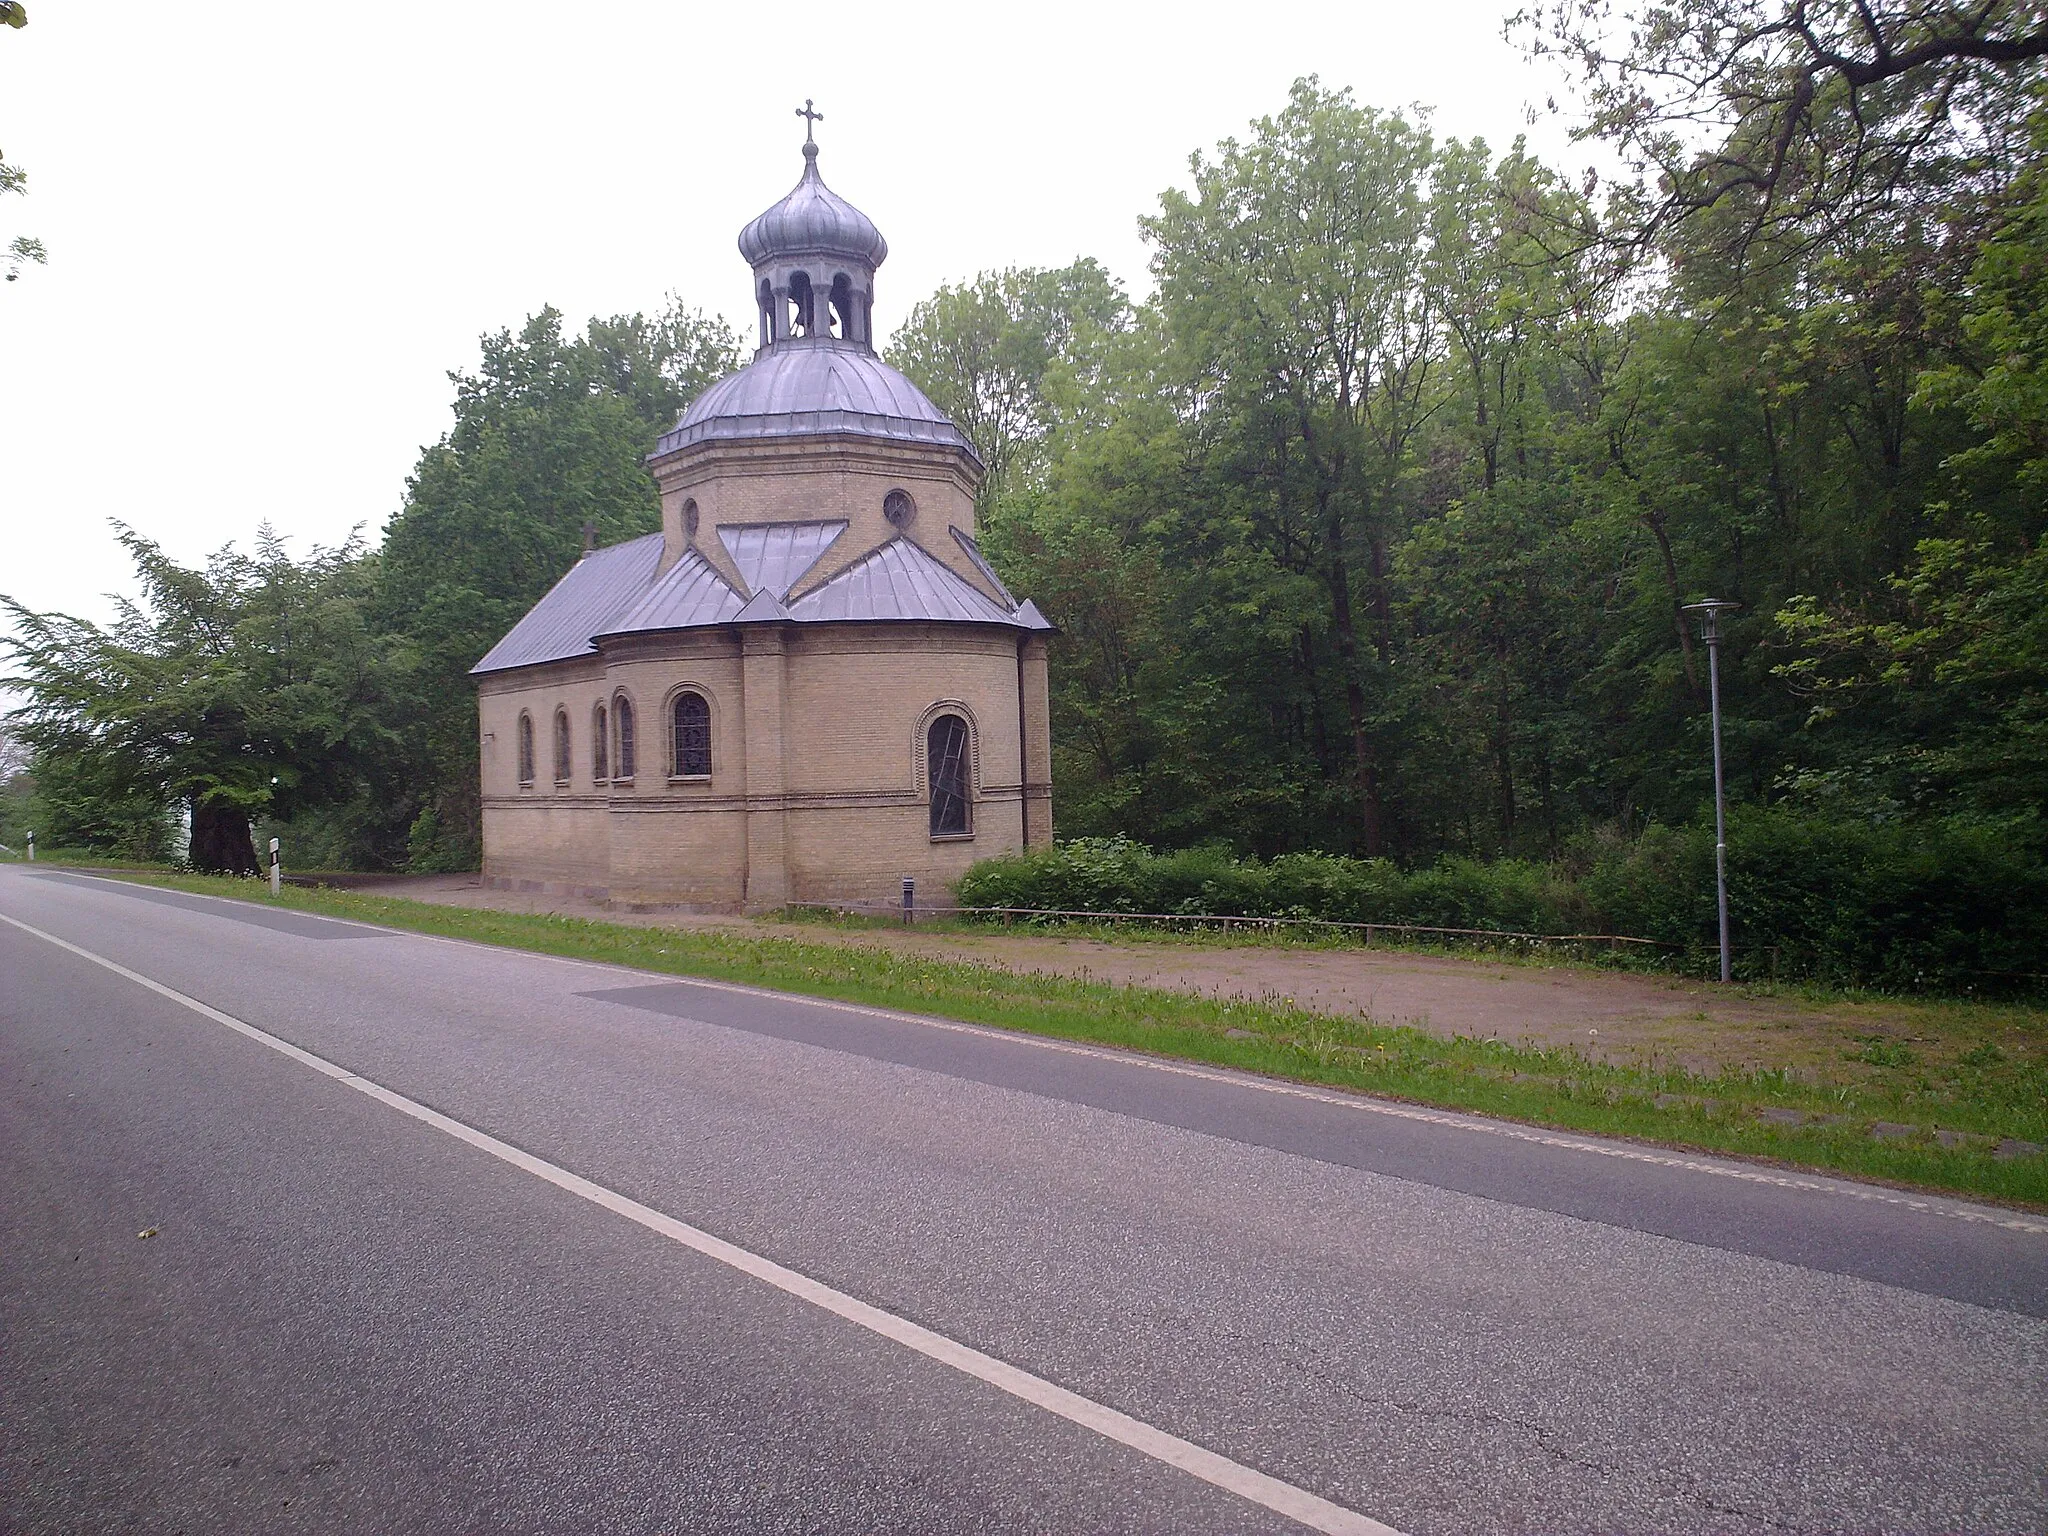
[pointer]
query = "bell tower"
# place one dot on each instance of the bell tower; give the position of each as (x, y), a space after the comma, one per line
(814, 257)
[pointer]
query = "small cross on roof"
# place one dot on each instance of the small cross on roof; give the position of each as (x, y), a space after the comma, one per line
(809, 116)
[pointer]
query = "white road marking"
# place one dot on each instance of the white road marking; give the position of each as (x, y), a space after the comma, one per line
(1359, 1102)
(1297, 1504)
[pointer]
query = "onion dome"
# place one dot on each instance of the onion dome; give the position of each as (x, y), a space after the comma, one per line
(816, 374)
(813, 221)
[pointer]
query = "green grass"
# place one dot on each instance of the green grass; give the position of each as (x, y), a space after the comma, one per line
(1983, 1094)
(1196, 933)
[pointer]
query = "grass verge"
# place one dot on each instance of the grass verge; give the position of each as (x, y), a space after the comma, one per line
(1941, 1128)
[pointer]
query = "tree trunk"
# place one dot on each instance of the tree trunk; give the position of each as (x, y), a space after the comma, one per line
(1319, 730)
(1654, 521)
(221, 844)
(1504, 742)
(1370, 838)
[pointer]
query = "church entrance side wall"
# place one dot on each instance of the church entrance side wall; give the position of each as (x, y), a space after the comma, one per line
(818, 788)
(862, 699)
(676, 838)
(541, 832)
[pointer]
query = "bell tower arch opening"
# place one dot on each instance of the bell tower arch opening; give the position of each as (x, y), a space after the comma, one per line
(802, 305)
(843, 310)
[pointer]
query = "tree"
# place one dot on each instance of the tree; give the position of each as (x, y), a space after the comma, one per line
(21, 249)
(1008, 354)
(1293, 285)
(254, 685)
(1802, 117)
(13, 178)
(1936, 677)
(551, 433)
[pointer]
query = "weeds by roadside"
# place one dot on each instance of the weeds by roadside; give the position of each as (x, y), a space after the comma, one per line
(1971, 1123)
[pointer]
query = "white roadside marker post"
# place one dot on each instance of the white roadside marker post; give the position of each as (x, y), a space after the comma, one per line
(276, 870)
(31, 847)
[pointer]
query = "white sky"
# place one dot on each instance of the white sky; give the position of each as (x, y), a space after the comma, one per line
(273, 228)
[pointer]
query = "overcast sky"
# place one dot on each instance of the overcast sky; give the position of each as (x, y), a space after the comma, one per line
(274, 228)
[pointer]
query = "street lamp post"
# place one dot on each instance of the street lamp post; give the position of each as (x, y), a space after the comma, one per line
(1709, 613)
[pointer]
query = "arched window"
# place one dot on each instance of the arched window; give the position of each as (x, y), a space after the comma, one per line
(951, 776)
(622, 715)
(562, 759)
(525, 748)
(767, 313)
(692, 737)
(600, 746)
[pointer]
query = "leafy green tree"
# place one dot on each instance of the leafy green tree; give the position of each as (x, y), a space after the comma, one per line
(1010, 354)
(1936, 675)
(1293, 284)
(1800, 118)
(551, 433)
(17, 789)
(255, 685)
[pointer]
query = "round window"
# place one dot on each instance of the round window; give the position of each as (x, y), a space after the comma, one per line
(899, 508)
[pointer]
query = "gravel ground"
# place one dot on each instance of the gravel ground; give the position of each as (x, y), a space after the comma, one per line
(1609, 1015)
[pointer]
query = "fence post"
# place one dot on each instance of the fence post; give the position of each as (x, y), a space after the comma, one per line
(909, 899)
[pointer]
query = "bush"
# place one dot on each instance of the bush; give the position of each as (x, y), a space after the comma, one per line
(1901, 906)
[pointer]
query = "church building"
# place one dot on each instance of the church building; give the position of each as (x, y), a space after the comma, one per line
(810, 684)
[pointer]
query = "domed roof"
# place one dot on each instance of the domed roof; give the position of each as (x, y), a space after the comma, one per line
(813, 219)
(806, 387)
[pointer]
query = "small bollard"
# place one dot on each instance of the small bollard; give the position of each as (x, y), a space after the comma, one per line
(31, 847)
(276, 870)
(909, 899)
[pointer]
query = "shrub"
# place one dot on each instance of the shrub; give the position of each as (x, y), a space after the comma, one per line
(1900, 906)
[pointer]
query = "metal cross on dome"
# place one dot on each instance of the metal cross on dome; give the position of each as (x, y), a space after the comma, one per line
(809, 118)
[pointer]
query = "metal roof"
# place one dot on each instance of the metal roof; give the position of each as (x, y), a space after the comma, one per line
(813, 219)
(614, 592)
(691, 593)
(814, 385)
(772, 557)
(598, 591)
(967, 543)
(899, 581)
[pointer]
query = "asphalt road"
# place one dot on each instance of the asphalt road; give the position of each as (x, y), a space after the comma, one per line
(452, 1239)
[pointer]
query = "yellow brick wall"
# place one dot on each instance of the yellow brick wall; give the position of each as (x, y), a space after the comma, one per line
(839, 813)
(820, 480)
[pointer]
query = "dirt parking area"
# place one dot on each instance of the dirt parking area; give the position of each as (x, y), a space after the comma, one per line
(1652, 1020)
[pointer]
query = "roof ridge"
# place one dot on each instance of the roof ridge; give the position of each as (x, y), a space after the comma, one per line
(912, 551)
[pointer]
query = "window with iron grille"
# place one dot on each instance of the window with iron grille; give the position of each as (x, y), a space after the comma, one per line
(526, 749)
(622, 715)
(951, 778)
(562, 759)
(600, 746)
(692, 737)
